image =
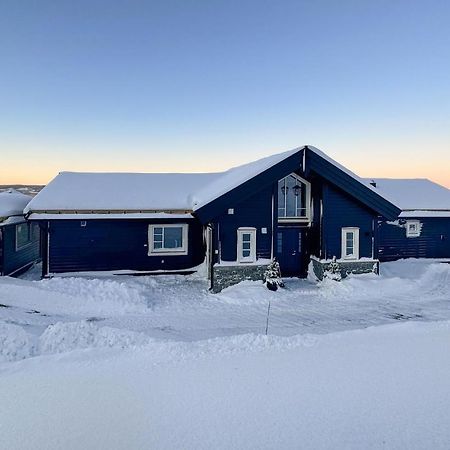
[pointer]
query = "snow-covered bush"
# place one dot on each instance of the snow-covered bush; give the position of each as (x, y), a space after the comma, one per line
(272, 276)
(333, 271)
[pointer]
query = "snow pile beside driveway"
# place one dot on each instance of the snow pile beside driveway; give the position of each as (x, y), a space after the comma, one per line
(15, 343)
(76, 295)
(99, 296)
(65, 337)
(407, 277)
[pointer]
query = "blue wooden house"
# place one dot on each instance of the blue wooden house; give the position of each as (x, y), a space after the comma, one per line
(422, 230)
(300, 207)
(19, 239)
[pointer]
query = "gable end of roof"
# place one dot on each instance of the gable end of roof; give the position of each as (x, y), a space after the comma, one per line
(350, 183)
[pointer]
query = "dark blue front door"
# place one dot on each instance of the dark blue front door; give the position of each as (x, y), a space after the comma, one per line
(289, 251)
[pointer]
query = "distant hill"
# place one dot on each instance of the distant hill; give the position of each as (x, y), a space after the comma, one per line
(28, 189)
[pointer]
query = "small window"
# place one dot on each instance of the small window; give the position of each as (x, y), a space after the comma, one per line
(350, 243)
(246, 245)
(412, 228)
(24, 235)
(168, 239)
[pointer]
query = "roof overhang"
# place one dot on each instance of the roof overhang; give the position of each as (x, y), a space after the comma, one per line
(10, 220)
(350, 184)
(424, 213)
(250, 187)
(108, 215)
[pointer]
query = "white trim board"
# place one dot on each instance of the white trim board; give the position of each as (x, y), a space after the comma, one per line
(178, 251)
(355, 254)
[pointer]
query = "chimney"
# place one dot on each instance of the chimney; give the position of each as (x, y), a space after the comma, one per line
(373, 183)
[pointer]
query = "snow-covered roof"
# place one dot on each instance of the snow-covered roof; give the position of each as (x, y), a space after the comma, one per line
(72, 192)
(234, 177)
(12, 203)
(364, 181)
(414, 195)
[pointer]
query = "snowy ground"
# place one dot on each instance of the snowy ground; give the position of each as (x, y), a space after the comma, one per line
(158, 362)
(180, 308)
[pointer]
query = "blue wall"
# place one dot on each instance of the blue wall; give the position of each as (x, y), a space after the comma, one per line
(255, 212)
(14, 260)
(433, 242)
(116, 245)
(341, 210)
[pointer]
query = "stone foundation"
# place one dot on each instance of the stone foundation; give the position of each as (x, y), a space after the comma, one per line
(225, 276)
(342, 268)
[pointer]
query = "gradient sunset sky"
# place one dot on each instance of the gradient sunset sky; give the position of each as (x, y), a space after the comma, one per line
(189, 86)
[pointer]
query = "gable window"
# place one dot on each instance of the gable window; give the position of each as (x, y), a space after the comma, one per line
(246, 250)
(350, 243)
(24, 235)
(167, 239)
(412, 228)
(294, 198)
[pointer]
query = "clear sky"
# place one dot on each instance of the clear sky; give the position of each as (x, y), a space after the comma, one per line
(195, 85)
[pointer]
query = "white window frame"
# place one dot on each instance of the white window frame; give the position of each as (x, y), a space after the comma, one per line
(307, 216)
(355, 232)
(410, 233)
(240, 232)
(183, 250)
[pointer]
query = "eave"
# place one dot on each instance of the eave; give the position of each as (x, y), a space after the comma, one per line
(349, 184)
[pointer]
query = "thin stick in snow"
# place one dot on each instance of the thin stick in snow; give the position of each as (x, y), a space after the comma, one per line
(267, 320)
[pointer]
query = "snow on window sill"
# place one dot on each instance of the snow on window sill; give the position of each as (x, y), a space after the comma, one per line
(258, 262)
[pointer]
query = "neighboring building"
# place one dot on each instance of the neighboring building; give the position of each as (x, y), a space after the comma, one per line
(422, 230)
(19, 239)
(294, 206)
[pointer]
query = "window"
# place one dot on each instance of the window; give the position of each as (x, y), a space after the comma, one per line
(168, 239)
(412, 228)
(24, 235)
(246, 245)
(279, 243)
(350, 243)
(294, 198)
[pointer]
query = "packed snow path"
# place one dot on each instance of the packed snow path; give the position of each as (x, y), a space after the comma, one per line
(129, 310)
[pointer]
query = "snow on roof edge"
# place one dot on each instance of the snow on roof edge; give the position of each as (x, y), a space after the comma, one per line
(13, 202)
(414, 194)
(240, 176)
(90, 216)
(362, 181)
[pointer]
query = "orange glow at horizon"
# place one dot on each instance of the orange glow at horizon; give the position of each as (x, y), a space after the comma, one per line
(32, 174)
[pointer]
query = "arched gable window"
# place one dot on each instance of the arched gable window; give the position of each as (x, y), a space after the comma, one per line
(294, 198)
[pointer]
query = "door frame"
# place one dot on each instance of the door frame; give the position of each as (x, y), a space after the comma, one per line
(302, 270)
